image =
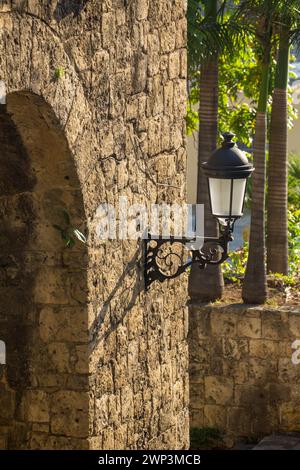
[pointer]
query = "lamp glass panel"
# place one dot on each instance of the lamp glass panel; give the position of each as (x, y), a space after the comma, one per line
(220, 195)
(238, 195)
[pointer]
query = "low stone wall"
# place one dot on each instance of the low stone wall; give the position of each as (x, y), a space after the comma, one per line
(244, 376)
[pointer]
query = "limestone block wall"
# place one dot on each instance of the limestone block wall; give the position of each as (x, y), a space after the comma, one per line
(242, 376)
(96, 93)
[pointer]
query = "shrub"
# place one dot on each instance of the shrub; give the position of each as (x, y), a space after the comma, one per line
(294, 240)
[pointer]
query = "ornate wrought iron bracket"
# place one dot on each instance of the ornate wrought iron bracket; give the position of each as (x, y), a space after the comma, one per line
(169, 258)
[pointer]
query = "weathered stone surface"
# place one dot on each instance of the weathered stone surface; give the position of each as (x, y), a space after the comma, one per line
(294, 324)
(3, 443)
(36, 406)
(238, 422)
(224, 324)
(7, 402)
(275, 325)
(242, 377)
(70, 414)
(218, 390)
(95, 110)
(289, 417)
(263, 348)
(249, 327)
(215, 417)
(63, 324)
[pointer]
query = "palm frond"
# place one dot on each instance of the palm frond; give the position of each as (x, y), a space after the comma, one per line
(294, 166)
(207, 38)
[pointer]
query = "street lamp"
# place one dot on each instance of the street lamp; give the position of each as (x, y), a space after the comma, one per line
(227, 171)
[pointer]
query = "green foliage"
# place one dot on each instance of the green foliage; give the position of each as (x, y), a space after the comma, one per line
(238, 94)
(59, 72)
(192, 118)
(205, 437)
(294, 240)
(294, 180)
(239, 78)
(239, 72)
(234, 268)
(292, 111)
(280, 280)
(212, 30)
(294, 166)
(68, 233)
(240, 68)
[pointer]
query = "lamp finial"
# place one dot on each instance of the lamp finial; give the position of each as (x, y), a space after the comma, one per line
(228, 136)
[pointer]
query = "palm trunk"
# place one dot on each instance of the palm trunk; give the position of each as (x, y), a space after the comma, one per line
(207, 285)
(255, 284)
(277, 235)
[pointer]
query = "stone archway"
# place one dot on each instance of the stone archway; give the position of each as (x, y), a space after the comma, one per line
(43, 311)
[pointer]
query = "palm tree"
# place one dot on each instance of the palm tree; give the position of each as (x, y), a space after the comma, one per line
(255, 282)
(208, 285)
(210, 33)
(277, 223)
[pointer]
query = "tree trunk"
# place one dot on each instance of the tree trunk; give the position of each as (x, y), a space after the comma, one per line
(207, 285)
(277, 235)
(255, 283)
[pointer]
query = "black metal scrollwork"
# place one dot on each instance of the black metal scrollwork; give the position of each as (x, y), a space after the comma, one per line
(169, 258)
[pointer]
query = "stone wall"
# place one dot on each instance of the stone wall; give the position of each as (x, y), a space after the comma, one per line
(242, 378)
(96, 95)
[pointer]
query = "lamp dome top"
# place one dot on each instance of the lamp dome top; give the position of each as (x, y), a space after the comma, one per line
(228, 161)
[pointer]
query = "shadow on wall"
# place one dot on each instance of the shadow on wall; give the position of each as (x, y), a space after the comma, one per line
(16, 227)
(43, 285)
(127, 293)
(65, 8)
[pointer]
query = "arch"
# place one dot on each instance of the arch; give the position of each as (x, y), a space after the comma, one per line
(66, 114)
(43, 313)
(35, 71)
